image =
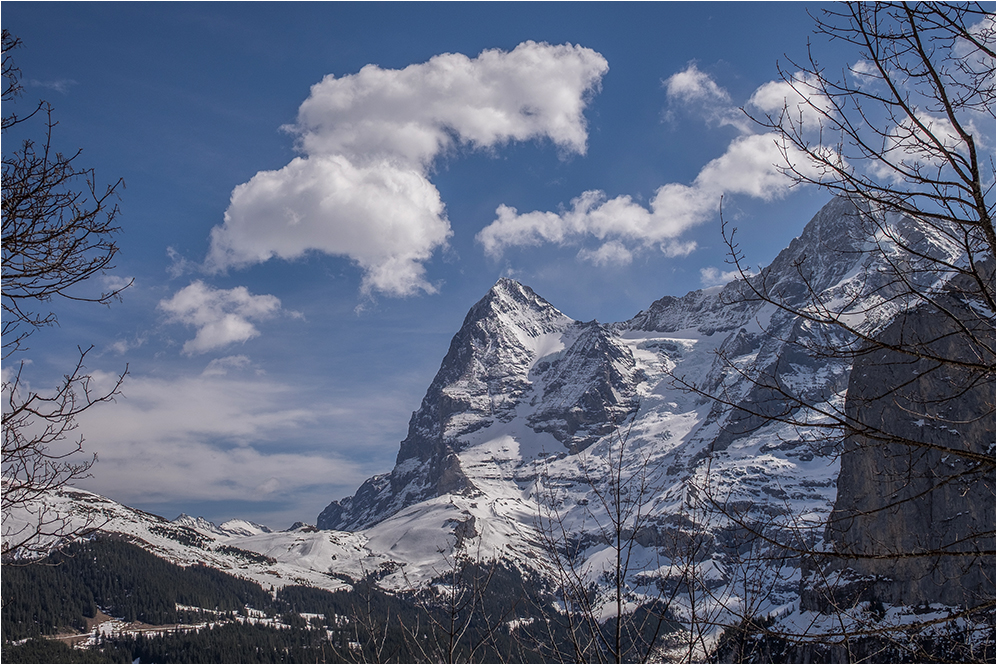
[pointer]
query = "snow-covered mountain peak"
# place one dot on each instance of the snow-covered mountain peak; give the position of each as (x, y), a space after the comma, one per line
(199, 523)
(483, 380)
(509, 290)
(239, 527)
(518, 311)
(527, 396)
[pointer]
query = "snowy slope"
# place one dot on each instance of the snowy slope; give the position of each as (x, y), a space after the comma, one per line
(189, 541)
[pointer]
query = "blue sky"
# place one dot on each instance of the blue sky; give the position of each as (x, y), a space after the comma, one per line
(302, 255)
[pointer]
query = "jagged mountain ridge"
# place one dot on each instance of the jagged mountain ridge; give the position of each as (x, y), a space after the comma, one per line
(528, 399)
(517, 357)
(513, 349)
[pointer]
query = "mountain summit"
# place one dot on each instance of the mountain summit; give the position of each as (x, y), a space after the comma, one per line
(515, 356)
(519, 368)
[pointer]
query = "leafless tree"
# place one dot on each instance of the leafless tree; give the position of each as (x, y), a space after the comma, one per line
(463, 619)
(906, 129)
(619, 611)
(58, 230)
(906, 135)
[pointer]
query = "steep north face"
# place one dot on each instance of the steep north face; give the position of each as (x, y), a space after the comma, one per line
(515, 353)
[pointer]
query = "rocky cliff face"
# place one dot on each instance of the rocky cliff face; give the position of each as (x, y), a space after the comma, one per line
(913, 521)
(586, 391)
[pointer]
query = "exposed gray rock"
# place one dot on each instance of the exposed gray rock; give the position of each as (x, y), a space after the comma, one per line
(914, 518)
(588, 391)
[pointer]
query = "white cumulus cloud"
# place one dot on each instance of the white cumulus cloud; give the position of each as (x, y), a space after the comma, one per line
(749, 166)
(716, 277)
(413, 114)
(361, 187)
(388, 219)
(692, 85)
(221, 316)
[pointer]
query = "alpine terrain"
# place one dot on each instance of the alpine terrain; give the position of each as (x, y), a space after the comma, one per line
(661, 456)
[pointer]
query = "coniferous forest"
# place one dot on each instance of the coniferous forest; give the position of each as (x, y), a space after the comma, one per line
(201, 615)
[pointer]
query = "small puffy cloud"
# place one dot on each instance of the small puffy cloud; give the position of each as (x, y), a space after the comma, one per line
(361, 187)
(692, 85)
(695, 89)
(221, 316)
(800, 98)
(611, 253)
(715, 277)
(677, 248)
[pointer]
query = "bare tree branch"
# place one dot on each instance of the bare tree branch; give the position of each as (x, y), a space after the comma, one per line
(58, 229)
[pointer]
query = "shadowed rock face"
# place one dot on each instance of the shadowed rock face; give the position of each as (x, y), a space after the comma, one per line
(588, 390)
(915, 505)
